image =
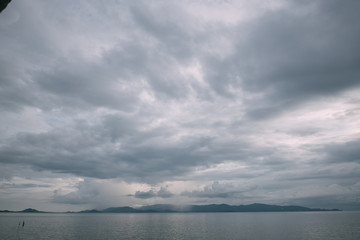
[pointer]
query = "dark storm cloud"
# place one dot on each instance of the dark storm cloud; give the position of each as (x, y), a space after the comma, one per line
(216, 190)
(122, 72)
(93, 151)
(204, 194)
(28, 46)
(297, 54)
(147, 92)
(342, 152)
(312, 53)
(117, 147)
(36, 74)
(145, 195)
(15, 93)
(171, 34)
(162, 193)
(114, 83)
(85, 86)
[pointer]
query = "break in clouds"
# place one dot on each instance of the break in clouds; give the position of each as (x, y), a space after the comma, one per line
(186, 102)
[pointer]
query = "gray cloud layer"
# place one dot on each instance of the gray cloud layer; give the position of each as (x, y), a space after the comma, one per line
(149, 92)
(162, 193)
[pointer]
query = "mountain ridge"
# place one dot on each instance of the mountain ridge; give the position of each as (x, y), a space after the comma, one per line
(168, 208)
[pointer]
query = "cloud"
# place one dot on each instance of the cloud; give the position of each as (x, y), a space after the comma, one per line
(93, 193)
(346, 201)
(285, 62)
(145, 195)
(293, 61)
(162, 193)
(84, 194)
(90, 151)
(342, 152)
(216, 190)
(23, 185)
(252, 100)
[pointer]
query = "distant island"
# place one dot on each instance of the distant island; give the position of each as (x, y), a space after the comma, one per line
(28, 210)
(167, 208)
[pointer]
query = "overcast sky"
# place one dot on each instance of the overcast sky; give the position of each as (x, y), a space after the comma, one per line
(115, 103)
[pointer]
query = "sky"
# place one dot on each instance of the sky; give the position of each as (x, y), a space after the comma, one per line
(131, 103)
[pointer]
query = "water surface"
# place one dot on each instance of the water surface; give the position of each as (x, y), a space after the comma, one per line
(290, 225)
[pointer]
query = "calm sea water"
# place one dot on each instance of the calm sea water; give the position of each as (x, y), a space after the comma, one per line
(291, 225)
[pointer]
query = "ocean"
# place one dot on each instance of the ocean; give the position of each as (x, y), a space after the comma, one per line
(247, 226)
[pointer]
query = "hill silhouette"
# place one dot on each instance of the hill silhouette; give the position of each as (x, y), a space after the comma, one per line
(162, 208)
(166, 208)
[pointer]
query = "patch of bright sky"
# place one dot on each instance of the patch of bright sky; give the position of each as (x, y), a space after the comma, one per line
(323, 122)
(30, 120)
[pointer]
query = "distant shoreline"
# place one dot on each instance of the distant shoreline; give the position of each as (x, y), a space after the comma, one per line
(167, 208)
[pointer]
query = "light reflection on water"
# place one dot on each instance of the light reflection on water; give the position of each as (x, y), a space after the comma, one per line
(291, 225)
